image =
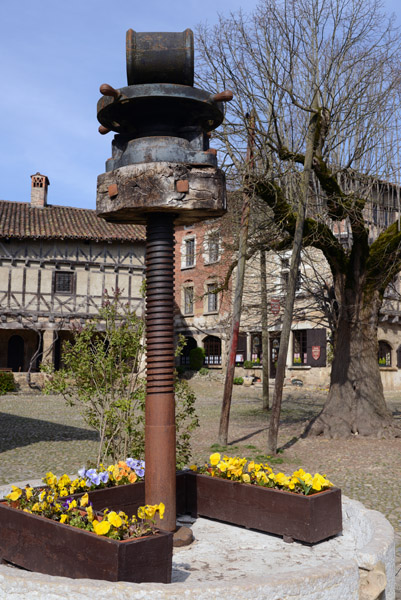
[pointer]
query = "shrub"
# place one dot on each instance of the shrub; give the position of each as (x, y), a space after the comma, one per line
(203, 371)
(248, 364)
(238, 380)
(7, 383)
(196, 358)
(102, 377)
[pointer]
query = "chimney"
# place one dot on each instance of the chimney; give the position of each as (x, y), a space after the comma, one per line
(39, 190)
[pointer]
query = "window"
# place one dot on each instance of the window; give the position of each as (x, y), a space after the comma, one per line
(212, 345)
(309, 347)
(188, 300)
(189, 253)
(256, 347)
(211, 298)
(63, 282)
(384, 354)
(240, 355)
(213, 247)
(300, 347)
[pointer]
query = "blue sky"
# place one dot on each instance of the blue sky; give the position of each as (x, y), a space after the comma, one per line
(54, 55)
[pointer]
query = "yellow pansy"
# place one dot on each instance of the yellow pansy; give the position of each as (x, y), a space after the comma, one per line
(261, 477)
(101, 528)
(281, 479)
(141, 512)
(64, 480)
(28, 492)
(114, 519)
(15, 494)
(193, 467)
(63, 518)
(214, 459)
(84, 500)
(150, 511)
(72, 505)
(89, 512)
(246, 478)
(51, 479)
(162, 508)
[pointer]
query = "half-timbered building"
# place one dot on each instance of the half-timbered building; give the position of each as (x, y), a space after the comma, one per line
(56, 265)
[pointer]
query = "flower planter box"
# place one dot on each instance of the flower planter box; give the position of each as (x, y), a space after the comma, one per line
(308, 519)
(129, 497)
(45, 546)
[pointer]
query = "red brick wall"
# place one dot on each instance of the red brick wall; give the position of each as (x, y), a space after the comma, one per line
(203, 271)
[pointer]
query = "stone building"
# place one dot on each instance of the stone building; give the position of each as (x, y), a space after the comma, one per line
(55, 264)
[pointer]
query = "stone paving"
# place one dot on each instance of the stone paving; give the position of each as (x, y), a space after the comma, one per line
(40, 433)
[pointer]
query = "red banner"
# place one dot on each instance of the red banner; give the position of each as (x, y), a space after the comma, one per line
(275, 306)
(315, 352)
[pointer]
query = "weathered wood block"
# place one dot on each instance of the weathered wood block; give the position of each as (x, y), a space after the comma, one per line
(127, 194)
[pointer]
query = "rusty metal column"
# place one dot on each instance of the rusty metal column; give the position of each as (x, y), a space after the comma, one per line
(161, 172)
(160, 402)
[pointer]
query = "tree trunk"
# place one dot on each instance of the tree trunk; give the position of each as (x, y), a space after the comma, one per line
(355, 404)
(239, 290)
(265, 331)
(292, 282)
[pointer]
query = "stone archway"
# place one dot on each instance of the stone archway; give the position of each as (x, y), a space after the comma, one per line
(190, 345)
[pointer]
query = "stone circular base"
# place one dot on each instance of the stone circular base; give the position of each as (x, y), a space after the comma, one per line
(228, 562)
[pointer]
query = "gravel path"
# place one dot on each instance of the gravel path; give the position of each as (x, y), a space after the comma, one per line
(40, 433)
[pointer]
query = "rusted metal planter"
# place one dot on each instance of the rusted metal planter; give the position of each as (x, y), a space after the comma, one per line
(308, 519)
(45, 546)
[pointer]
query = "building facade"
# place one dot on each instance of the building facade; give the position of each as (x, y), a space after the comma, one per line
(57, 264)
(202, 308)
(204, 318)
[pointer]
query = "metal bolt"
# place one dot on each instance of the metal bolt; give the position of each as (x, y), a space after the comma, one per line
(225, 96)
(108, 90)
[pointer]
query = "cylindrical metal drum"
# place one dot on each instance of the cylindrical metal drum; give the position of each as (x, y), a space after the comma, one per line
(159, 57)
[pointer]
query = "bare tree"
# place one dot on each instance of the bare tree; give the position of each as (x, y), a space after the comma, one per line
(346, 54)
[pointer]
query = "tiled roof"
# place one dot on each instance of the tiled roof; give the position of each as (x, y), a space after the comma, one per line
(19, 220)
